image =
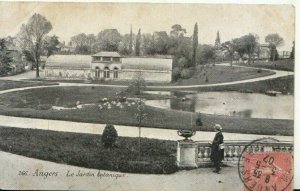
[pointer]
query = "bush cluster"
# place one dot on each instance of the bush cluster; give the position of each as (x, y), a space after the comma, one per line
(109, 136)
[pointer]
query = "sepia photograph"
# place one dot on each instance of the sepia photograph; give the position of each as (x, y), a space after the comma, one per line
(132, 96)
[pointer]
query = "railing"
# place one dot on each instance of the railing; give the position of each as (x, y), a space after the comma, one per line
(234, 149)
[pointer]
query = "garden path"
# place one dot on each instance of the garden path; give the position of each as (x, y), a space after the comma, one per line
(193, 180)
(125, 131)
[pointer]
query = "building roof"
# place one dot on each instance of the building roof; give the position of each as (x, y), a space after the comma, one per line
(140, 63)
(107, 54)
(70, 61)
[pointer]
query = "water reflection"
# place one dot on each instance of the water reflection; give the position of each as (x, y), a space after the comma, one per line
(231, 104)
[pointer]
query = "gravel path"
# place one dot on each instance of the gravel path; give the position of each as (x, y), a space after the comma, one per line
(192, 180)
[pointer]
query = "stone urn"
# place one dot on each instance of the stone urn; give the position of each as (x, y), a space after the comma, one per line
(186, 134)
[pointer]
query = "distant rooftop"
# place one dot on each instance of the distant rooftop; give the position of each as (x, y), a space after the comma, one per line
(107, 54)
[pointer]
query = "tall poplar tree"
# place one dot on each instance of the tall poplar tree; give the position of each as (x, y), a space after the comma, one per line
(218, 40)
(130, 42)
(138, 43)
(195, 44)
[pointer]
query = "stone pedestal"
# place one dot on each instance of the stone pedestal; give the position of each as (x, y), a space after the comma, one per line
(187, 153)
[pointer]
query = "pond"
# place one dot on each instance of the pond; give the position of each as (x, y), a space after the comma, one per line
(248, 105)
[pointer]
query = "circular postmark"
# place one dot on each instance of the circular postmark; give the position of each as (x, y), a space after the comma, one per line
(263, 169)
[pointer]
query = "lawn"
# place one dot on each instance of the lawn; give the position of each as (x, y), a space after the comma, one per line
(218, 74)
(286, 65)
(157, 156)
(281, 84)
(25, 104)
(9, 84)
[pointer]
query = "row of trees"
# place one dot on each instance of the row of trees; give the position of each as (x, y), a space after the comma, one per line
(248, 45)
(186, 50)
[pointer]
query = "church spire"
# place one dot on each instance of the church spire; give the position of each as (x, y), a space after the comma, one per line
(218, 40)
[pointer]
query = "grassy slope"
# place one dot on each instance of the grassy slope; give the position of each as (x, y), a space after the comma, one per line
(282, 84)
(87, 151)
(287, 65)
(219, 74)
(8, 84)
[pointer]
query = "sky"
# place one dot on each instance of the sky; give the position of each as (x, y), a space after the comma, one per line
(69, 19)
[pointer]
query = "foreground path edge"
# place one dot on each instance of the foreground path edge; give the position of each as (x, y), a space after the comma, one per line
(192, 180)
(125, 131)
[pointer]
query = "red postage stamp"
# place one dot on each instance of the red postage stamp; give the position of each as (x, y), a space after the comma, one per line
(268, 171)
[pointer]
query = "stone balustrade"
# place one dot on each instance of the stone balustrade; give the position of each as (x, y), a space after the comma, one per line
(234, 149)
(196, 153)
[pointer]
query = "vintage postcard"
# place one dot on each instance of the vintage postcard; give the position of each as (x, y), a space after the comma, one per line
(146, 96)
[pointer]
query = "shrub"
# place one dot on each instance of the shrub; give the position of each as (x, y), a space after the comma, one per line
(198, 120)
(176, 73)
(182, 62)
(109, 136)
(206, 79)
(185, 73)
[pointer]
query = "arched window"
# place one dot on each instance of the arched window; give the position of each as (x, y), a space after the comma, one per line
(106, 72)
(97, 72)
(116, 73)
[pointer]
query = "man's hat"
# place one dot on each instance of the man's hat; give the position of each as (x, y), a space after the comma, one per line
(218, 127)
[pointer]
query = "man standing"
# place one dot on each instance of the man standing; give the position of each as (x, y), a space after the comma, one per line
(217, 148)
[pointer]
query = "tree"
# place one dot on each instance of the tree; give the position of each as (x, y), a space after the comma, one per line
(182, 62)
(249, 44)
(108, 40)
(83, 43)
(5, 58)
(274, 41)
(51, 43)
(31, 37)
(138, 43)
(148, 44)
(137, 84)
(273, 53)
(124, 45)
(140, 116)
(292, 56)
(179, 45)
(177, 31)
(29, 58)
(109, 136)
(130, 41)
(195, 44)
(160, 42)
(206, 53)
(231, 47)
(91, 43)
(239, 48)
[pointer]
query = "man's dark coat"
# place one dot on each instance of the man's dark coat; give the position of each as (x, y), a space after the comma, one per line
(217, 154)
